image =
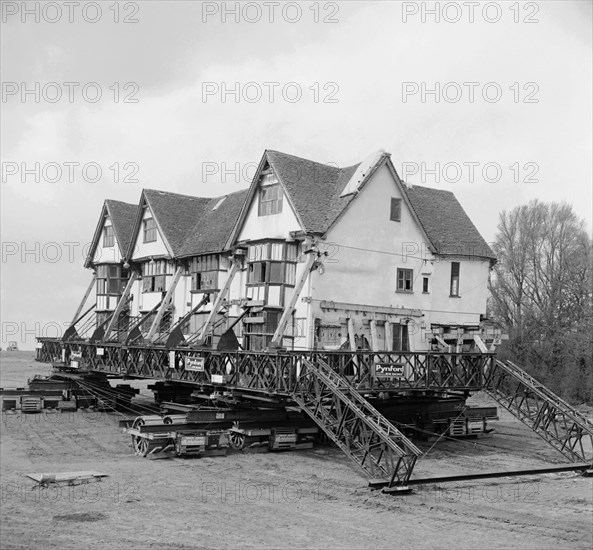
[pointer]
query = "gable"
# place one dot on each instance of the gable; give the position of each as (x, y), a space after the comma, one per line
(261, 221)
(120, 216)
(107, 254)
(367, 222)
(144, 250)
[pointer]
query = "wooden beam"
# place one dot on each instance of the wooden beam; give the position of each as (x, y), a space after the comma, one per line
(289, 307)
(152, 333)
(442, 343)
(217, 303)
(120, 305)
(363, 308)
(75, 319)
(480, 343)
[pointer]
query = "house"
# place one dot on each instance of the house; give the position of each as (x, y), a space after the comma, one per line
(106, 254)
(310, 256)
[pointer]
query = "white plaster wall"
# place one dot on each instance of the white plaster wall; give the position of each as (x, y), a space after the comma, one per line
(145, 250)
(110, 254)
(275, 226)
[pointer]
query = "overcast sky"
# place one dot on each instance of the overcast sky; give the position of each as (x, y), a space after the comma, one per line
(509, 119)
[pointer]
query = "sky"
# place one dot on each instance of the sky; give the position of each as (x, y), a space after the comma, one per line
(103, 99)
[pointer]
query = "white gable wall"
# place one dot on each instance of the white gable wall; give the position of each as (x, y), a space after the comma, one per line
(146, 250)
(104, 255)
(275, 226)
(367, 276)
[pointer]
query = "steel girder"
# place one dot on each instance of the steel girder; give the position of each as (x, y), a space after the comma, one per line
(540, 409)
(355, 426)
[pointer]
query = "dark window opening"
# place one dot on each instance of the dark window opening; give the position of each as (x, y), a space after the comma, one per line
(149, 230)
(270, 200)
(405, 280)
(396, 210)
(110, 279)
(401, 340)
(425, 285)
(454, 279)
(108, 237)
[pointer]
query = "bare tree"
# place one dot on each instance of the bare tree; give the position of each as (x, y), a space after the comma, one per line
(541, 293)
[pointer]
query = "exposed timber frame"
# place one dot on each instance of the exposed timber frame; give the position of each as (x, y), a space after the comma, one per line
(152, 333)
(289, 308)
(120, 305)
(217, 303)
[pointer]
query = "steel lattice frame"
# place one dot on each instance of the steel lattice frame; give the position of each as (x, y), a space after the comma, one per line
(357, 428)
(539, 408)
(275, 372)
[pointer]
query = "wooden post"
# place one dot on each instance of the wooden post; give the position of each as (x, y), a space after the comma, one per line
(388, 336)
(84, 299)
(120, 305)
(164, 305)
(352, 339)
(217, 303)
(289, 307)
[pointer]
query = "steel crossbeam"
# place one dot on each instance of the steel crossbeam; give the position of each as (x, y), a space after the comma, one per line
(544, 412)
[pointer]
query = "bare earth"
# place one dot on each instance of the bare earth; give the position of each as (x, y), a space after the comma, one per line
(306, 499)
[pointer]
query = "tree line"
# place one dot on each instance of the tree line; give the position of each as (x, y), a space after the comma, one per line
(541, 294)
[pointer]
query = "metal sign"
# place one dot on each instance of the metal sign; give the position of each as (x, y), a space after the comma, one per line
(195, 364)
(100, 351)
(389, 370)
(217, 379)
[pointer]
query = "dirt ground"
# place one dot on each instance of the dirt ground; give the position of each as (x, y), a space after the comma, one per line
(304, 499)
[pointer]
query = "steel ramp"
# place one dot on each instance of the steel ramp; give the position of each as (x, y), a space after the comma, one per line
(549, 416)
(354, 425)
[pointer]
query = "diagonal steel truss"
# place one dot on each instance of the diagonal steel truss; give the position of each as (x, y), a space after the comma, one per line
(543, 411)
(354, 425)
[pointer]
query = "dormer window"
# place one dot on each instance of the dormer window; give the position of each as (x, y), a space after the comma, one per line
(108, 237)
(270, 195)
(149, 230)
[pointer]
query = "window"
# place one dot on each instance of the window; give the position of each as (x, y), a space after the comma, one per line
(109, 279)
(396, 210)
(454, 279)
(270, 200)
(401, 341)
(149, 230)
(425, 285)
(108, 237)
(154, 276)
(205, 272)
(404, 280)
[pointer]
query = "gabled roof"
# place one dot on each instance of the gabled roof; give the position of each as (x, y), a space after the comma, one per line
(313, 189)
(320, 194)
(122, 216)
(212, 228)
(446, 223)
(175, 216)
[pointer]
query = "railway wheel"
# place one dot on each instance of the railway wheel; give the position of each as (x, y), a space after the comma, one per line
(143, 446)
(237, 440)
(140, 445)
